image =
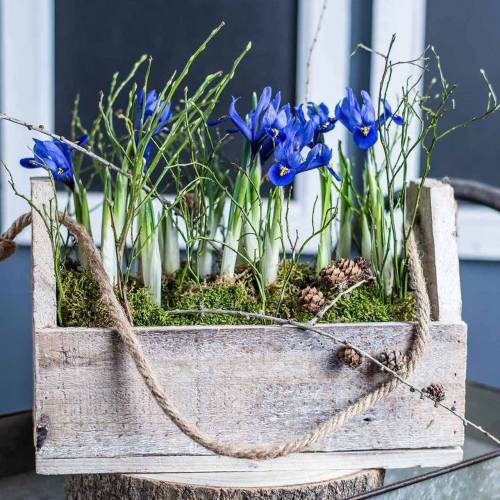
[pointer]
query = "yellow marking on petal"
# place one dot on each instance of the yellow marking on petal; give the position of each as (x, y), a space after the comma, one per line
(276, 132)
(283, 171)
(60, 171)
(32, 162)
(364, 130)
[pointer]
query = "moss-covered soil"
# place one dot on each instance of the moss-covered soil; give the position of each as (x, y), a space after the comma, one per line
(80, 305)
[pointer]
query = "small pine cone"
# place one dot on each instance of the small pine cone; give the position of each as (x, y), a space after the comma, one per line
(311, 299)
(394, 360)
(350, 357)
(345, 272)
(435, 392)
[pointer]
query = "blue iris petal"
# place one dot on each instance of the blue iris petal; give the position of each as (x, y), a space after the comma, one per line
(29, 163)
(365, 141)
(280, 175)
(319, 156)
(289, 161)
(263, 127)
(81, 141)
(239, 123)
(317, 114)
(149, 109)
(362, 122)
(335, 175)
(367, 111)
(55, 156)
(398, 120)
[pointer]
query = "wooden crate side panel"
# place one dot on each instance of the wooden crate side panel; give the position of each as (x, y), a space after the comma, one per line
(252, 385)
(436, 230)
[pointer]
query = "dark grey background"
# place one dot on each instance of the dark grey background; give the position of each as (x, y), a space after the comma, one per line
(467, 37)
(94, 39)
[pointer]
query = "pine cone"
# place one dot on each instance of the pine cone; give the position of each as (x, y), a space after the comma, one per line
(311, 299)
(435, 392)
(350, 357)
(345, 272)
(394, 360)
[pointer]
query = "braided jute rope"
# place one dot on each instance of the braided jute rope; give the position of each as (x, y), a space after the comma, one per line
(294, 445)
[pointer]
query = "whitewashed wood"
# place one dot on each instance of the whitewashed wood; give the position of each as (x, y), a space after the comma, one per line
(124, 486)
(248, 385)
(43, 279)
(437, 234)
(344, 460)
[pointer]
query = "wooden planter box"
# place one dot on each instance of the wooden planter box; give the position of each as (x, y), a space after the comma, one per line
(248, 385)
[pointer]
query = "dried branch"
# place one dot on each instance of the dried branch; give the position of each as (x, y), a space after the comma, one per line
(311, 50)
(107, 164)
(308, 328)
(330, 303)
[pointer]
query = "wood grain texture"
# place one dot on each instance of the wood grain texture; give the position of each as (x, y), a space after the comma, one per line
(123, 487)
(307, 462)
(43, 279)
(253, 385)
(437, 235)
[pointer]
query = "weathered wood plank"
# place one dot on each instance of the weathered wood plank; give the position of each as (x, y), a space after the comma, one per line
(43, 279)
(342, 460)
(253, 385)
(437, 235)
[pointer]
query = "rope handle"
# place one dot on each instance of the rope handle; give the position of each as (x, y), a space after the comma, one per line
(125, 329)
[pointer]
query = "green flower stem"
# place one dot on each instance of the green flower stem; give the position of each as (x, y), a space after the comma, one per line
(169, 243)
(346, 213)
(235, 219)
(108, 246)
(366, 240)
(272, 237)
(205, 250)
(149, 250)
(252, 224)
(325, 238)
(82, 213)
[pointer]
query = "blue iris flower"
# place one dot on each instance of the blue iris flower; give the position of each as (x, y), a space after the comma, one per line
(148, 109)
(289, 159)
(56, 156)
(263, 125)
(318, 114)
(362, 121)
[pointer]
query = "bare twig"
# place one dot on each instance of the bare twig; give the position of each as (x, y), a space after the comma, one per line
(107, 164)
(42, 130)
(330, 303)
(311, 51)
(337, 340)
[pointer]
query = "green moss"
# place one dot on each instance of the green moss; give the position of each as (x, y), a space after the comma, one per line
(216, 295)
(144, 311)
(80, 301)
(81, 306)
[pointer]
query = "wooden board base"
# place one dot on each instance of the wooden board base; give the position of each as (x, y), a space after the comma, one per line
(235, 486)
(307, 462)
